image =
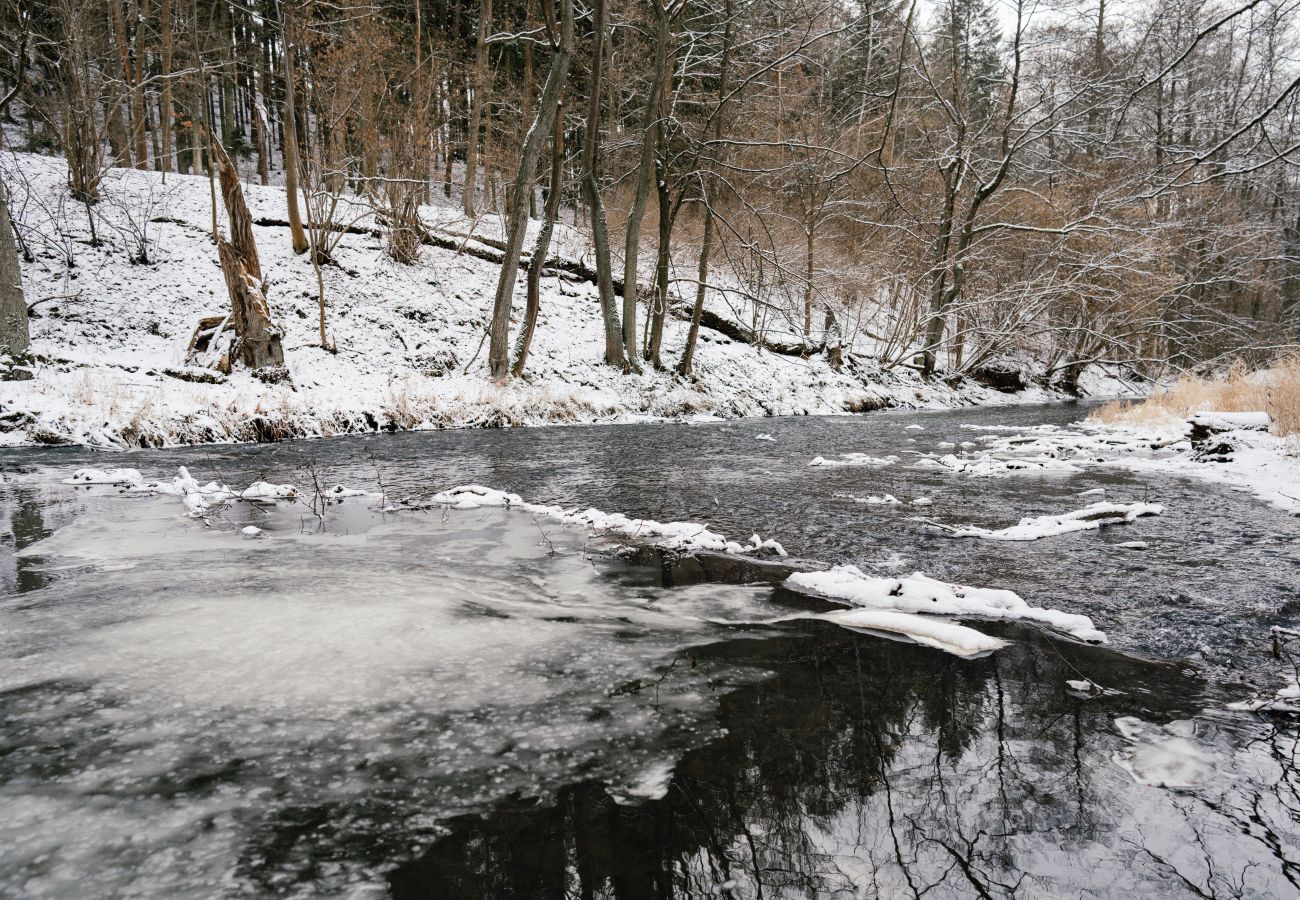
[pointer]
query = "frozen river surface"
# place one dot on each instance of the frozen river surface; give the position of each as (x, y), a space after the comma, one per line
(483, 703)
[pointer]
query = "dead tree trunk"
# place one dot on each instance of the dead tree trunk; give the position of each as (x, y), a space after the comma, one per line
(257, 338)
(232, 195)
(517, 215)
(14, 337)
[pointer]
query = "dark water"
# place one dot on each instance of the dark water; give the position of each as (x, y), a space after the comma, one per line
(868, 769)
(823, 763)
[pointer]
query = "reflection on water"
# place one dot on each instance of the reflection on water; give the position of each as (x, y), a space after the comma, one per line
(23, 508)
(875, 769)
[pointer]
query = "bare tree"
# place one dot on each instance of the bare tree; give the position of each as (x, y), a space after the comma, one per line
(14, 338)
(522, 189)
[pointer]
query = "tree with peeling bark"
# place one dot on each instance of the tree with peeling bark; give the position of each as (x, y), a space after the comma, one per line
(257, 338)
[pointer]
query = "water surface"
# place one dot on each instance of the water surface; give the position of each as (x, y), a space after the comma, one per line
(484, 704)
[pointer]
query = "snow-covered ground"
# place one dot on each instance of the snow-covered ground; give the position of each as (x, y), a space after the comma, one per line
(111, 334)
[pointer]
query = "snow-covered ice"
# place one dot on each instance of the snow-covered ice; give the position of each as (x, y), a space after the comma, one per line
(855, 459)
(105, 476)
(918, 593)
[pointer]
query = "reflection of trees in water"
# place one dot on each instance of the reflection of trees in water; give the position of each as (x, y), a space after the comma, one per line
(872, 768)
(22, 510)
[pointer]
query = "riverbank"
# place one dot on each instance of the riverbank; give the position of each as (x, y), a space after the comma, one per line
(116, 300)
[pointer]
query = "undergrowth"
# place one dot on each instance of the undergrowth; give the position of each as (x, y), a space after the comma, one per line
(1275, 390)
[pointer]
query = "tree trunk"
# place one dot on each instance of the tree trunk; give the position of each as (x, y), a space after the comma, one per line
(138, 124)
(685, 364)
(232, 195)
(809, 268)
(14, 337)
(477, 88)
(166, 115)
(118, 136)
(645, 169)
(591, 191)
(543, 245)
(291, 164)
(517, 214)
(655, 348)
(257, 341)
(257, 338)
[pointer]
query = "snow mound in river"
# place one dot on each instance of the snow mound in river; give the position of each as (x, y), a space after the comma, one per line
(918, 593)
(1091, 517)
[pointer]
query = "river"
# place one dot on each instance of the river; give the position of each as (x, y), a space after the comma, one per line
(484, 704)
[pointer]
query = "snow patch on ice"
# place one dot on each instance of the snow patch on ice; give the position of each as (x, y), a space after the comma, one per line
(264, 492)
(854, 459)
(105, 476)
(873, 500)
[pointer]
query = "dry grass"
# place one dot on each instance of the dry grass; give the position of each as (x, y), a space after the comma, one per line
(1275, 390)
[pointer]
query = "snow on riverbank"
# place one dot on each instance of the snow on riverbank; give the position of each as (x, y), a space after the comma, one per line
(110, 334)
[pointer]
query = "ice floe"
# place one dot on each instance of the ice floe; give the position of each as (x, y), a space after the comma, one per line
(1094, 516)
(918, 593)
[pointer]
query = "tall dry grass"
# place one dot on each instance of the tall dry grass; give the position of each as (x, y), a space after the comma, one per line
(1275, 390)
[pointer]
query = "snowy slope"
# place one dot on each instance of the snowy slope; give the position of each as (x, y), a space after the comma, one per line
(409, 338)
